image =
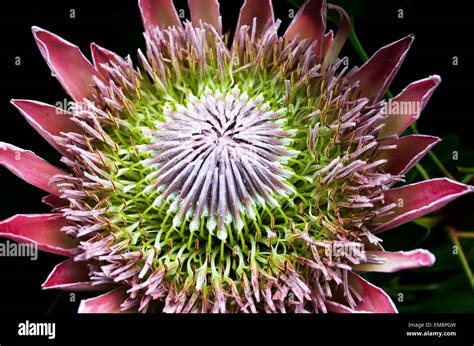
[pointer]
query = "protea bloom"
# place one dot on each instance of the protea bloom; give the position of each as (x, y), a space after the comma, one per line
(221, 175)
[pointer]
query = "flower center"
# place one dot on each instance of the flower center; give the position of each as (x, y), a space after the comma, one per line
(217, 171)
(218, 157)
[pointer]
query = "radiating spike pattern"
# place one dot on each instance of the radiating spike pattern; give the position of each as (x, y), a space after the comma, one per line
(218, 178)
(205, 194)
(220, 156)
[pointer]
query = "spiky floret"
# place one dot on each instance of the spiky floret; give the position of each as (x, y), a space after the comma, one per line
(219, 157)
(217, 179)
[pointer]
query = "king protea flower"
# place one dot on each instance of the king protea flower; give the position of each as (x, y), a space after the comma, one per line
(227, 175)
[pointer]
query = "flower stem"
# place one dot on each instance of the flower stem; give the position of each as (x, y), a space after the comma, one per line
(468, 235)
(354, 40)
(454, 236)
(422, 171)
(467, 178)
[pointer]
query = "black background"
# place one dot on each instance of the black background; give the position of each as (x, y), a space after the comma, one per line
(441, 31)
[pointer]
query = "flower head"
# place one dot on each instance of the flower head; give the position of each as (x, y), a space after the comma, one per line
(221, 175)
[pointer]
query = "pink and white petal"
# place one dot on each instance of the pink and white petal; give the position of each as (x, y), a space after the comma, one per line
(47, 120)
(262, 10)
(409, 151)
(416, 96)
(160, 13)
(309, 23)
(206, 11)
(71, 68)
(419, 199)
(29, 167)
(332, 51)
(396, 261)
(374, 299)
(41, 230)
(71, 275)
(376, 75)
(102, 56)
(108, 303)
